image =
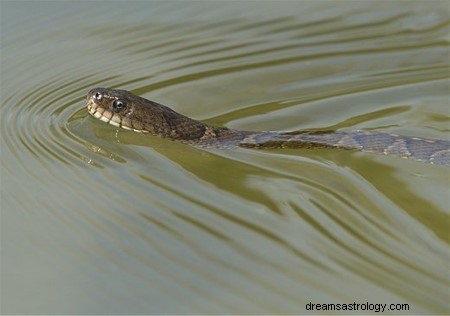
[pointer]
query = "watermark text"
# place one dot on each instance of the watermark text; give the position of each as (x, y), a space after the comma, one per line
(377, 308)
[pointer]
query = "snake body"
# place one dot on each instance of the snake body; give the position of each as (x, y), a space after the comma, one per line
(126, 110)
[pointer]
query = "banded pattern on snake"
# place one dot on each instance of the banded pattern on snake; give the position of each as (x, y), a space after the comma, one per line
(126, 110)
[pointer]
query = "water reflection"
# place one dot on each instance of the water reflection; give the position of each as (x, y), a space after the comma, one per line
(100, 220)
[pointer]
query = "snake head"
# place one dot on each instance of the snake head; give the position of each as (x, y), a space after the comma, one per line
(107, 105)
(119, 108)
(124, 109)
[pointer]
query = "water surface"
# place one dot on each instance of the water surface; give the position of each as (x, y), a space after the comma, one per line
(96, 220)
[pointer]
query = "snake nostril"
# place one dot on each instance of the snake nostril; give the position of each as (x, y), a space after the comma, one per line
(98, 96)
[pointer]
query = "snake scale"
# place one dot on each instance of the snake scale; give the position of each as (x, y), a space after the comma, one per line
(124, 109)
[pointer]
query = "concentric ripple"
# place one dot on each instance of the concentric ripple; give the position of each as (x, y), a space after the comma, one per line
(100, 220)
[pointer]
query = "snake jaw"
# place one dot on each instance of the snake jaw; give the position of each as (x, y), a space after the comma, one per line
(113, 119)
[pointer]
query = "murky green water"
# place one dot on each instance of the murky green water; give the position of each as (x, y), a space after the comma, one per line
(96, 220)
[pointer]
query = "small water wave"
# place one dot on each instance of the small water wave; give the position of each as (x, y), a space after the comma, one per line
(127, 223)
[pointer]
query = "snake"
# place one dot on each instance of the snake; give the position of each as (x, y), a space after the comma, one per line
(126, 110)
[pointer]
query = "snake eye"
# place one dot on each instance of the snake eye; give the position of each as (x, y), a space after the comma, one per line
(118, 104)
(98, 96)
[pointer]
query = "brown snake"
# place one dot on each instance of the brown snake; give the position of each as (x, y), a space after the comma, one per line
(124, 109)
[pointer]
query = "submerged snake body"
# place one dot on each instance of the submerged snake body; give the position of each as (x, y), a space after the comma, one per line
(124, 109)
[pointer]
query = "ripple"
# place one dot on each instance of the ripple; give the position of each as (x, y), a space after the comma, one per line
(209, 231)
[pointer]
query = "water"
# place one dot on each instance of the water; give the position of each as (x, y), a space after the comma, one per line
(96, 220)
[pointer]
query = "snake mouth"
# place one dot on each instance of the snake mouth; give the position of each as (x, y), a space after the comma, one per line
(108, 117)
(104, 115)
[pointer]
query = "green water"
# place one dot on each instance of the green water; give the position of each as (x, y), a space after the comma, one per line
(96, 220)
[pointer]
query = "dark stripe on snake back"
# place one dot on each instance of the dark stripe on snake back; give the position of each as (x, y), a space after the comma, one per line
(124, 109)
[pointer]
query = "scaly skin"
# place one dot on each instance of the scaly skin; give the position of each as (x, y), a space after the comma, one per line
(126, 110)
